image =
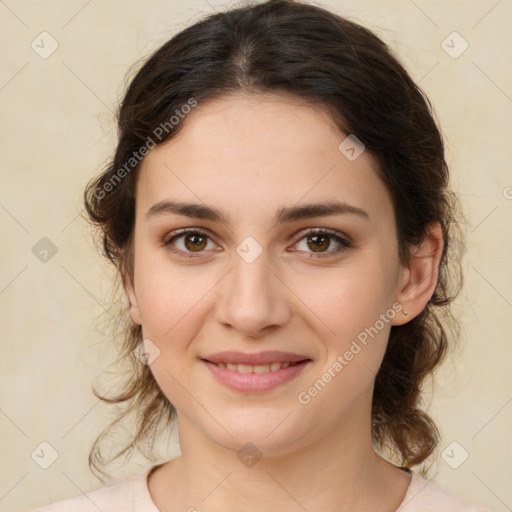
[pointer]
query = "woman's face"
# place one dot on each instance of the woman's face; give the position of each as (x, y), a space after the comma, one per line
(259, 280)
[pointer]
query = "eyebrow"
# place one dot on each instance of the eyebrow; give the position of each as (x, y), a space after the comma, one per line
(283, 215)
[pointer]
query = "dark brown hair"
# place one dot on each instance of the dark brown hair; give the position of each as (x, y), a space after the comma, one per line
(293, 48)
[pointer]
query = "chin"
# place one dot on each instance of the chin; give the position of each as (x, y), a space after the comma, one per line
(266, 434)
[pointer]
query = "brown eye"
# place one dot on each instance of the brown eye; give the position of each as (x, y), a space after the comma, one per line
(318, 243)
(194, 241)
(187, 242)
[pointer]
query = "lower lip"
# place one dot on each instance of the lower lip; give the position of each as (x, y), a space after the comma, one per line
(252, 382)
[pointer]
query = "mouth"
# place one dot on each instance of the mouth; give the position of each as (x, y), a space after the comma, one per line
(248, 378)
(257, 368)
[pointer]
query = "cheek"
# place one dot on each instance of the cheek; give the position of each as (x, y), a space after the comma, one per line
(346, 299)
(173, 304)
(170, 300)
(174, 300)
(356, 322)
(351, 310)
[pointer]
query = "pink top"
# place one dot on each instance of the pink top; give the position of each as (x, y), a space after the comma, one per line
(132, 495)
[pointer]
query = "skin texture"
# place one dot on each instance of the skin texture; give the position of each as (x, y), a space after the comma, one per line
(249, 156)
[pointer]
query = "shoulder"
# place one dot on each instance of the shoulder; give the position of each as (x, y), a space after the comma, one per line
(130, 495)
(424, 496)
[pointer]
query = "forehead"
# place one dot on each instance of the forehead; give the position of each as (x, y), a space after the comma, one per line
(243, 124)
(258, 150)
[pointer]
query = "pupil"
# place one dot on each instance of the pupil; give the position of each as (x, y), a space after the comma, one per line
(198, 240)
(316, 240)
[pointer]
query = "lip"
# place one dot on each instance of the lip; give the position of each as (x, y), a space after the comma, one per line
(255, 382)
(266, 357)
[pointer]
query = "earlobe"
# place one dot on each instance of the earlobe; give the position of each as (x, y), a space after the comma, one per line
(129, 290)
(420, 278)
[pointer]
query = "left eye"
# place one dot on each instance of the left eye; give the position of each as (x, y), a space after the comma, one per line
(319, 239)
(195, 241)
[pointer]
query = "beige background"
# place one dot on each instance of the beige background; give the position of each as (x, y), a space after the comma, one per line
(56, 132)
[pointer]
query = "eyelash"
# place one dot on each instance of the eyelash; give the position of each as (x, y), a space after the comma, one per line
(345, 244)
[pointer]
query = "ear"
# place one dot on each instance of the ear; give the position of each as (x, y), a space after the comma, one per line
(418, 278)
(129, 290)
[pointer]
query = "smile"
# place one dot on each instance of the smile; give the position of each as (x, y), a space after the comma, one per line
(258, 368)
(256, 378)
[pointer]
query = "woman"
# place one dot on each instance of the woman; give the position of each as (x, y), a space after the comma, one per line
(279, 213)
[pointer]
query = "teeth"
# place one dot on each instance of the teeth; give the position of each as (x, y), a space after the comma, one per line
(258, 368)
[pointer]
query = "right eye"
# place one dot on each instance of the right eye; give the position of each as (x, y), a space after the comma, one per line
(193, 241)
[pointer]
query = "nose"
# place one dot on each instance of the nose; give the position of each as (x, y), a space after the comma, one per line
(252, 298)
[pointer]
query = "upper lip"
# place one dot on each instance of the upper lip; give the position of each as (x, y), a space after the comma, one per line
(256, 358)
